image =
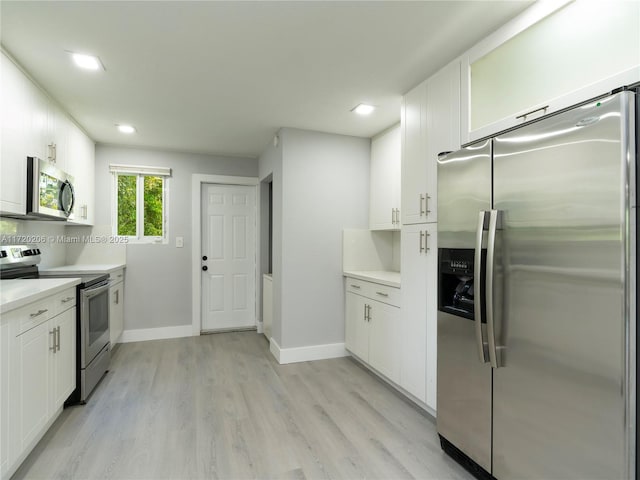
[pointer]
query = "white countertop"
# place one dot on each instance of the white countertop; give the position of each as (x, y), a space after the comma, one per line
(382, 277)
(82, 269)
(18, 293)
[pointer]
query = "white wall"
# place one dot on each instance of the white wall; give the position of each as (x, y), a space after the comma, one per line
(158, 277)
(325, 189)
(270, 165)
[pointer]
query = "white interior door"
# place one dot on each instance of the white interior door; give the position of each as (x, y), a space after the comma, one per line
(228, 259)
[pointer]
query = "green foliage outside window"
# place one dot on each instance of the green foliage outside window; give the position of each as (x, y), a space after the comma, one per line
(153, 206)
(127, 205)
(152, 211)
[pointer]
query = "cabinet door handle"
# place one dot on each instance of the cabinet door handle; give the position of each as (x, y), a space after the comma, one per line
(426, 204)
(369, 313)
(53, 348)
(422, 212)
(117, 297)
(393, 216)
(426, 241)
(525, 115)
(68, 299)
(38, 313)
(383, 294)
(85, 209)
(58, 338)
(421, 248)
(364, 312)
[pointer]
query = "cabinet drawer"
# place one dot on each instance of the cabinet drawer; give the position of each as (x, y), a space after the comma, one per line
(358, 286)
(117, 276)
(374, 291)
(385, 294)
(32, 315)
(64, 301)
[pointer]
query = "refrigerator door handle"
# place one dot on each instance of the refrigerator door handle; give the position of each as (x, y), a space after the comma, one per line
(491, 247)
(477, 275)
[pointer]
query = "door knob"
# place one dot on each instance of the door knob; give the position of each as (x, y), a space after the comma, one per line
(204, 258)
(205, 268)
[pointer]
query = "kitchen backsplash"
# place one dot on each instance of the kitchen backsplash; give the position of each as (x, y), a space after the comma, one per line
(50, 237)
(96, 247)
(63, 244)
(366, 250)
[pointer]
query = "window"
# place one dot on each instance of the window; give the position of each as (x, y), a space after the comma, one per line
(140, 202)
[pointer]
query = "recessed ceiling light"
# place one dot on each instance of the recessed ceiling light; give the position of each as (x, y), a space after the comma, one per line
(126, 128)
(88, 62)
(363, 109)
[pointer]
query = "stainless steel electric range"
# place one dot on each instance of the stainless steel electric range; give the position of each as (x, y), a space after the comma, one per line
(92, 315)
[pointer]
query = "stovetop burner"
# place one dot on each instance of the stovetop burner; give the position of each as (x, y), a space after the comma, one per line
(21, 262)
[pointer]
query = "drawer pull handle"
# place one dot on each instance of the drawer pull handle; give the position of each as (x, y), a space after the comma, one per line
(383, 294)
(120, 276)
(68, 299)
(38, 313)
(355, 286)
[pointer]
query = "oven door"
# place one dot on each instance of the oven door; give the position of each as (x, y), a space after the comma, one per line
(94, 321)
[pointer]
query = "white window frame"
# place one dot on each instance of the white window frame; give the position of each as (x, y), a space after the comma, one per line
(140, 172)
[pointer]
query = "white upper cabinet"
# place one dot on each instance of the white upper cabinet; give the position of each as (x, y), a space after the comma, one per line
(384, 200)
(81, 165)
(443, 117)
(57, 137)
(34, 126)
(15, 116)
(547, 59)
(413, 121)
(430, 120)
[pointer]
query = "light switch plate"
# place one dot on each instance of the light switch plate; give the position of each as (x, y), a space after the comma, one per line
(179, 242)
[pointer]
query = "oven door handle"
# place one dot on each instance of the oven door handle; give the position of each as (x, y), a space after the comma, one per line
(92, 292)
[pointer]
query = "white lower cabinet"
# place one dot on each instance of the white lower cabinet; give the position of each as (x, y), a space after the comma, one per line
(38, 373)
(116, 307)
(384, 339)
(372, 327)
(62, 359)
(4, 397)
(356, 326)
(419, 265)
(116, 313)
(30, 406)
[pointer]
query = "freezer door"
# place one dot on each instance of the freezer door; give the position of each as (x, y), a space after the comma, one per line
(464, 381)
(464, 390)
(562, 332)
(464, 189)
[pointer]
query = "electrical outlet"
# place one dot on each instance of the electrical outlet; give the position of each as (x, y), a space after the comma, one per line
(179, 242)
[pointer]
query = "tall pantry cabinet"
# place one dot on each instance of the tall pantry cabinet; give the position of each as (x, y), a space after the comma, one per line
(430, 124)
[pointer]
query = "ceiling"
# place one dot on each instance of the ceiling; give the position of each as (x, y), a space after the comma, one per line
(223, 77)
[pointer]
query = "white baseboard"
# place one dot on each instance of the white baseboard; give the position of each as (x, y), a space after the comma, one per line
(306, 354)
(160, 333)
(260, 327)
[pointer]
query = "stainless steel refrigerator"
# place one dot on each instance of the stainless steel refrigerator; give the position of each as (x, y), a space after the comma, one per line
(537, 297)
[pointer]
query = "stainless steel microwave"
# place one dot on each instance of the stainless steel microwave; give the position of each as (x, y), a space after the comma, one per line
(50, 194)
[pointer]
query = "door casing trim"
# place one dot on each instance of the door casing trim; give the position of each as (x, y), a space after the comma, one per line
(197, 180)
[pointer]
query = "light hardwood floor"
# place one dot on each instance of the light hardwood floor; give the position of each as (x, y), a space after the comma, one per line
(220, 407)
